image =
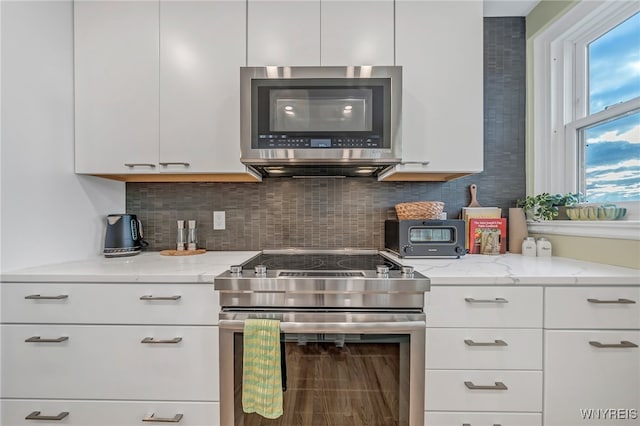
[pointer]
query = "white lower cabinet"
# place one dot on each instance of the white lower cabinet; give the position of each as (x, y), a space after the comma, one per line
(483, 356)
(592, 377)
(482, 419)
(108, 413)
(116, 354)
(592, 356)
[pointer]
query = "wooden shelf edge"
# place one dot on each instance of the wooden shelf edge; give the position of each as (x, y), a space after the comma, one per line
(195, 177)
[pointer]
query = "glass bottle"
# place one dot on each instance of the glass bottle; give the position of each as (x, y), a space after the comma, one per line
(181, 236)
(192, 236)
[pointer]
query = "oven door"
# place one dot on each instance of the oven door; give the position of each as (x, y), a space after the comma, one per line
(348, 368)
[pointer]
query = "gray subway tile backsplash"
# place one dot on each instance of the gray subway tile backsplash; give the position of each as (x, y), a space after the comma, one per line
(350, 212)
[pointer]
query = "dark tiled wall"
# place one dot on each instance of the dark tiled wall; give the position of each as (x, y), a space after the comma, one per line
(339, 213)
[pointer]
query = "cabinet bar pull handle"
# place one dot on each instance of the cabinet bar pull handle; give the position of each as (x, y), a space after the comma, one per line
(617, 301)
(494, 343)
(496, 300)
(497, 386)
(175, 163)
(40, 297)
(36, 416)
(622, 344)
(174, 419)
(150, 297)
(469, 424)
(38, 339)
(152, 340)
(153, 166)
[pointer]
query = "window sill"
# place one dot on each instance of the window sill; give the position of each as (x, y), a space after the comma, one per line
(614, 229)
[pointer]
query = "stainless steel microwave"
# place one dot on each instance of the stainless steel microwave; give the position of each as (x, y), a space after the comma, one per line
(302, 120)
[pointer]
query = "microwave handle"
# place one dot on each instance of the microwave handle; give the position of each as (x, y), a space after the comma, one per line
(339, 328)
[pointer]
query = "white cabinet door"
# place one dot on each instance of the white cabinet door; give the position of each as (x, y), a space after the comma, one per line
(116, 86)
(202, 47)
(357, 33)
(109, 413)
(110, 362)
(285, 32)
(588, 384)
(482, 419)
(439, 45)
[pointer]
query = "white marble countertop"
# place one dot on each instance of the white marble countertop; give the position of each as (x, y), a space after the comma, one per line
(508, 269)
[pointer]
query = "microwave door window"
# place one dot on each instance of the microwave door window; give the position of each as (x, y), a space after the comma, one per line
(326, 110)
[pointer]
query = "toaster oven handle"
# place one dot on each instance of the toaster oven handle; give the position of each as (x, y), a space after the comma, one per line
(336, 327)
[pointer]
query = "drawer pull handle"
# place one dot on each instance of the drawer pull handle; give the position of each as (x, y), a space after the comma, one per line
(36, 416)
(152, 340)
(38, 339)
(496, 300)
(175, 163)
(617, 301)
(174, 419)
(494, 343)
(153, 166)
(622, 344)
(469, 424)
(40, 297)
(497, 386)
(150, 297)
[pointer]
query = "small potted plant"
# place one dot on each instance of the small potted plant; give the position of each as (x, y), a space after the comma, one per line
(547, 206)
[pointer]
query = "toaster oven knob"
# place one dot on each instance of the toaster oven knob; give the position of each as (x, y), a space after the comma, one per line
(236, 269)
(260, 269)
(408, 249)
(382, 269)
(407, 270)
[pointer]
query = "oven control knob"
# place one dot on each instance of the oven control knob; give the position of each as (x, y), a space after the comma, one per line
(260, 269)
(408, 249)
(382, 269)
(236, 269)
(407, 270)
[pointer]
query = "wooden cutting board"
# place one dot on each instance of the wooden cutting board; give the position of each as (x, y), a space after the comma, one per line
(182, 252)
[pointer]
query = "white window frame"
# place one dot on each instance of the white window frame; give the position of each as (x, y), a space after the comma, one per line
(559, 106)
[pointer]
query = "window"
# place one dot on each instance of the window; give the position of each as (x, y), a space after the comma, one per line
(586, 79)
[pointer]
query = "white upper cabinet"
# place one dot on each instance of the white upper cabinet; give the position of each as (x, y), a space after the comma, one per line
(283, 32)
(116, 86)
(439, 44)
(202, 47)
(357, 33)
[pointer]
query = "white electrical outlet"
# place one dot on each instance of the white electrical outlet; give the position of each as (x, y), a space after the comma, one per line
(218, 221)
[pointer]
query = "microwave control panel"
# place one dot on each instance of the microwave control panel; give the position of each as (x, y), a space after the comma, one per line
(272, 141)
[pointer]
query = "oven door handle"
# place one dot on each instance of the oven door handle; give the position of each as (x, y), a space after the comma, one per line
(336, 327)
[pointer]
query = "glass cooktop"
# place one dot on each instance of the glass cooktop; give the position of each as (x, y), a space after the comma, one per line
(321, 262)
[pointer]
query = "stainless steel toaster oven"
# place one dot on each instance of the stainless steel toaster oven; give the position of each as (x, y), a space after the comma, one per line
(425, 238)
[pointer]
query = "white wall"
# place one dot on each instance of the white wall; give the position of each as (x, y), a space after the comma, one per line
(47, 213)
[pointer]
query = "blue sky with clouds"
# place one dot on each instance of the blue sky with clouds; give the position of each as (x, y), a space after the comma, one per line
(613, 148)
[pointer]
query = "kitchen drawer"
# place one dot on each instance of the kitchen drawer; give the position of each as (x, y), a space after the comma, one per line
(581, 378)
(484, 349)
(592, 307)
(110, 362)
(482, 419)
(109, 303)
(484, 307)
(110, 413)
(445, 390)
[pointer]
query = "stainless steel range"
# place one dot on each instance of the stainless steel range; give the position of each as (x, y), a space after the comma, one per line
(357, 314)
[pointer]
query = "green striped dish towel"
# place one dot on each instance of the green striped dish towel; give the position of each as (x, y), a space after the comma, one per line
(261, 370)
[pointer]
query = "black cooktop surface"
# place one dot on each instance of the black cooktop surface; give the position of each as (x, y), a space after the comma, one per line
(321, 262)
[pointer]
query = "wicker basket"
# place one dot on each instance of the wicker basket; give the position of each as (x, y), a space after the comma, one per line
(419, 210)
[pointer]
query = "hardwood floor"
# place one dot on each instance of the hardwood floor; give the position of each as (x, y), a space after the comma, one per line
(357, 385)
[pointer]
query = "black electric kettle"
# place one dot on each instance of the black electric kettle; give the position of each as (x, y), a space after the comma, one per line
(123, 236)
